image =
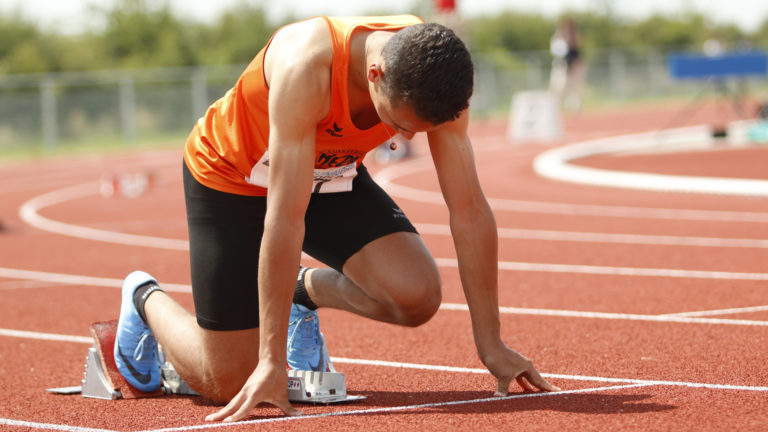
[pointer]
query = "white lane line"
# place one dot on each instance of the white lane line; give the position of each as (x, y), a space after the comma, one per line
(116, 283)
(26, 284)
(29, 213)
(616, 271)
(23, 334)
(555, 164)
(612, 316)
(70, 279)
(749, 309)
(49, 426)
(387, 176)
(453, 369)
(595, 237)
(464, 308)
(383, 363)
(419, 366)
(395, 408)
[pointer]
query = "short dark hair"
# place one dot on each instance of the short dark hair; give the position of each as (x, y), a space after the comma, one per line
(428, 67)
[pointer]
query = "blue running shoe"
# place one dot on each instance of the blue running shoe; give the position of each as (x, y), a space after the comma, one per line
(135, 347)
(306, 345)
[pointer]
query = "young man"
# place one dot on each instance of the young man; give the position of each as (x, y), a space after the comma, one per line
(298, 122)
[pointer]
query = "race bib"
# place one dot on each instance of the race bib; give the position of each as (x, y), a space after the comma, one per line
(326, 180)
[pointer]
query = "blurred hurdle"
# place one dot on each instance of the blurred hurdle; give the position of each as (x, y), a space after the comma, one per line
(719, 69)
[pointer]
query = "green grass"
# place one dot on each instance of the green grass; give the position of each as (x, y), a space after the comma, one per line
(93, 144)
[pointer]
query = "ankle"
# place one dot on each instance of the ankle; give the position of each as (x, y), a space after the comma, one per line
(300, 295)
(141, 295)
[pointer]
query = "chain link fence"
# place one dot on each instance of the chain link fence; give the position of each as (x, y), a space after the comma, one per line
(106, 108)
(135, 107)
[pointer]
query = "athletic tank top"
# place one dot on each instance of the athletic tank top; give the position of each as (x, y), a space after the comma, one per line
(227, 149)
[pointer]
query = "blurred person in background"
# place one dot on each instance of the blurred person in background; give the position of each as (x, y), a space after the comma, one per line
(568, 67)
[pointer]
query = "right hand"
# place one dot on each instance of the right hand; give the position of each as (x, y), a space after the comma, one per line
(268, 383)
(507, 365)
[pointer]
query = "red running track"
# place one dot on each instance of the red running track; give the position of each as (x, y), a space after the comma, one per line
(648, 315)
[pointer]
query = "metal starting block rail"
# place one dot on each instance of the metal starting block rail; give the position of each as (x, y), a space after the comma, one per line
(102, 380)
(318, 387)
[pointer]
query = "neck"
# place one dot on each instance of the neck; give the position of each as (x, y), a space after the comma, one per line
(372, 44)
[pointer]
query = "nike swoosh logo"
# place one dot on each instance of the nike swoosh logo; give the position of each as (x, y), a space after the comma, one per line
(316, 366)
(140, 377)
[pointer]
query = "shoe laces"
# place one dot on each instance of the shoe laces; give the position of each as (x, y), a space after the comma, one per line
(146, 347)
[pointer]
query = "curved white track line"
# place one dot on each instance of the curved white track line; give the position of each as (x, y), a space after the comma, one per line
(29, 213)
(387, 176)
(554, 164)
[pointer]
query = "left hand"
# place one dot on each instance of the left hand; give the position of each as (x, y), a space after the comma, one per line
(506, 364)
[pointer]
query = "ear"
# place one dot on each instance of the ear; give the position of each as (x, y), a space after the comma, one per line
(374, 71)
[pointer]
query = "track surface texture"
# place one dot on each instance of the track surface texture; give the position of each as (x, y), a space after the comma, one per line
(649, 309)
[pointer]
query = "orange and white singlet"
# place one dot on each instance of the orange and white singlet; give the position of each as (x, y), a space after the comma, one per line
(228, 147)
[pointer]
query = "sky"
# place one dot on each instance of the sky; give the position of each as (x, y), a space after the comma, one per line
(73, 16)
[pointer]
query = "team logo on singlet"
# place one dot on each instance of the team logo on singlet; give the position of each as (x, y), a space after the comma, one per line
(335, 132)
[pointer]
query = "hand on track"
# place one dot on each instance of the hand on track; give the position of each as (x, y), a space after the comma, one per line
(269, 384)
(506, 365)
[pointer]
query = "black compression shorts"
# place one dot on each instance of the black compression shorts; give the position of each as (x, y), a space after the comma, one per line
(225, 232)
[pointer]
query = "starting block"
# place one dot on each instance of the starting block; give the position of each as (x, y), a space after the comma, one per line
(102, 380)
(318, 387)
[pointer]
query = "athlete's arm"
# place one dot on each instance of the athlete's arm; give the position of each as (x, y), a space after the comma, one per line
(476, 241)
(297, 68)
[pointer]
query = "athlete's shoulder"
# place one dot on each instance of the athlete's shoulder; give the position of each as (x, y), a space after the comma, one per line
(307, 40)
(302, 47)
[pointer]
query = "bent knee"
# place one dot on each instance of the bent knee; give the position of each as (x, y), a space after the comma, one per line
(418, 314)
(420, 304)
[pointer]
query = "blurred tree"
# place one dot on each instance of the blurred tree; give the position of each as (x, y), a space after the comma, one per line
(236, 38)
(760, 37)
(600, 30)
(20, 49)
(509, 31)
(140, 33)
(26, 56)
(145, 33)
(660, 30)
